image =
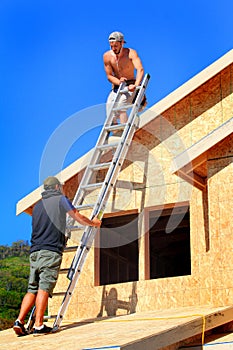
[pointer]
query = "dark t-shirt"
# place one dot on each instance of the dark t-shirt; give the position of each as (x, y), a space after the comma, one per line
(49, 222)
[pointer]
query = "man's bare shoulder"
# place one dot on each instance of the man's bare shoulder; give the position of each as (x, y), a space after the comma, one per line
(107, 55)
(132, 53)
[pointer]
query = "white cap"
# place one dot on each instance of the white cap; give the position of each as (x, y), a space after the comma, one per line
(116, 36)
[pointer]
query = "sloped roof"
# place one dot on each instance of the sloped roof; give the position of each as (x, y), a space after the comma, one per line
(187, 165)
(140, 330)
(27, 202)
(188, 87)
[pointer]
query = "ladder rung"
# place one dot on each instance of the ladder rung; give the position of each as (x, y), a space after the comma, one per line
(100, 166)
(108, 145)
(71, 249)
(115, 127)
(48, 317)
(119, 108)
(76, 228)
(92, 186)
(126, 89)
(59, 294)
(85, 206)
(63, 271)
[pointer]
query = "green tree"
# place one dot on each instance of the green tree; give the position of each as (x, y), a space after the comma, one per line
(14, 272)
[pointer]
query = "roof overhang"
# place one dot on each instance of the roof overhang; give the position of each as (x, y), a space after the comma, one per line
(191, 164)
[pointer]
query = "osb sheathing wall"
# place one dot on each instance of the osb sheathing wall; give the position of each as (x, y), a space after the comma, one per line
(219, 258)
(151, 184)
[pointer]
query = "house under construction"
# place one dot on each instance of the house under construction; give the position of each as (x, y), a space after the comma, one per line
(165, 245)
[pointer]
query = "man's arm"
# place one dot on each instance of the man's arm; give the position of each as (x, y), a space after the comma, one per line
(109, 72)
(137, 65)
(83, 220)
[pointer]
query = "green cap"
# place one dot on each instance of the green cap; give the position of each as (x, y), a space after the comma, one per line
(51, 181)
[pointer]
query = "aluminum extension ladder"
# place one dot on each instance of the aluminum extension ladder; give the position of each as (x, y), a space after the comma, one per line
(87, 185)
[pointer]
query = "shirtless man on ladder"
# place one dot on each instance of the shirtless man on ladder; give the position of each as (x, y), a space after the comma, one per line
(120, 64)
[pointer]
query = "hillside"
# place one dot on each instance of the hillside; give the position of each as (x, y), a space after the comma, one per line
(14, 272)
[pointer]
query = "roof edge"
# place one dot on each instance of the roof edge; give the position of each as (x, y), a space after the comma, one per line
(188, 87)
(203, 145)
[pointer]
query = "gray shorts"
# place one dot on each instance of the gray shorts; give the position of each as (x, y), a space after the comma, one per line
(44, 270)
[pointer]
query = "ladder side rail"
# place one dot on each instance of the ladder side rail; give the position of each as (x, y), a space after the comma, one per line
(110, 179)
(96, 153)
(139, 96)
(105, 192)
(73, 281)
(110, 115)
(134, 111)
(133, 115)
(115, 101)
(95, 156)
(70, 289)
(65, 302)
(120, 154)
(83, 243)
(87, 237)
(76, 258)
(121, 149)
(85, 179)
(69, 220)
(115, 166)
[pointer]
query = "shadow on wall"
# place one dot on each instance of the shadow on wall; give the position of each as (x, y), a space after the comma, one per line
(110, 302)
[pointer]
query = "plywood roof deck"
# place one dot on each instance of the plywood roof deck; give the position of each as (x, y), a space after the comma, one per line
(141, 331)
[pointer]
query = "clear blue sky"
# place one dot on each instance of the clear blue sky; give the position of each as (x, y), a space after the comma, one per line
(51, 68)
